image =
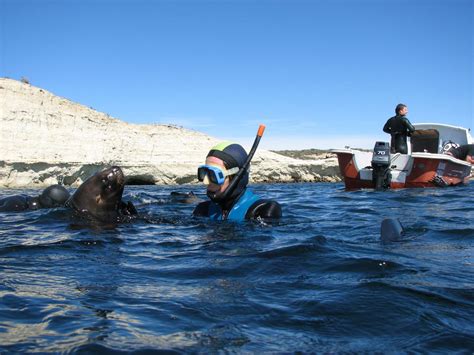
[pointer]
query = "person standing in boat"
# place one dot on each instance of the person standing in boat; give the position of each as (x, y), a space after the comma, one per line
(399, 127)
(463, 152)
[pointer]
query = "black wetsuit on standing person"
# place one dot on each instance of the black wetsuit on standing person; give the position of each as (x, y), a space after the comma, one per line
(53, 196)
(399, 127)
(462, 151)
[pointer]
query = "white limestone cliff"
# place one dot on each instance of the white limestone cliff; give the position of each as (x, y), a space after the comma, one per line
(45, 139)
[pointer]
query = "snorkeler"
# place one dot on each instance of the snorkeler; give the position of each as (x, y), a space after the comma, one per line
(226, 175)
(52, 196)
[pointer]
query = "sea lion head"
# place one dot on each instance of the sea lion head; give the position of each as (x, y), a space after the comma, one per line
(100, 195)
(53, 196)
(184, 197)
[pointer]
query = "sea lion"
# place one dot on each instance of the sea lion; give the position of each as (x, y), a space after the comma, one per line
(391, 230)
(184, 197)
(52, 196)
(15, 203)
(100, 197)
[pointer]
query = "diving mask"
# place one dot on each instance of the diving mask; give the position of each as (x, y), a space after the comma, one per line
(210, 173)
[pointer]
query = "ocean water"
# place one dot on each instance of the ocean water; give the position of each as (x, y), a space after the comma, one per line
(321, 280)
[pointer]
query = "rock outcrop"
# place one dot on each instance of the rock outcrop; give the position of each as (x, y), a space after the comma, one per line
(45, 139)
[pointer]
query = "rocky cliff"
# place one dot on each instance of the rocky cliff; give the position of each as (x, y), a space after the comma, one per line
(45, 139)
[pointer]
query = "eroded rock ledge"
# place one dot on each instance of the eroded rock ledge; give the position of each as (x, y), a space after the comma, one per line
(46, 139)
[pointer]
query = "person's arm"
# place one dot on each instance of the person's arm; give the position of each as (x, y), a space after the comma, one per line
(409, 126)
(202, 209)
(264, 209)
(386, 127)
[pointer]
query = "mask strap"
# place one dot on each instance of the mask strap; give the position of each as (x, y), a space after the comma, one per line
(232, 171)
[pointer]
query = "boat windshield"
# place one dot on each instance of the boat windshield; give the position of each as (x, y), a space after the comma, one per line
(425, 140)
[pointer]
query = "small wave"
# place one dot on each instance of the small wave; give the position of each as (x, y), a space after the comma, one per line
(362, 210)
(366, 265)
(99, 348)
(420, 294)
(315, 244)
(459, 232)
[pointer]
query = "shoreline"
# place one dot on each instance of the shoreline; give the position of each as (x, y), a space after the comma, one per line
(40, 175)
(32, 119)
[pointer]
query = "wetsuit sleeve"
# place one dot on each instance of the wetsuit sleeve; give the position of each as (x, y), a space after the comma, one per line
(264, 209)
(409, 127)
(202, 209)
(386, 127)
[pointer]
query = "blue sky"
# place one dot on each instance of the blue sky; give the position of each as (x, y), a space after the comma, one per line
(319, 74)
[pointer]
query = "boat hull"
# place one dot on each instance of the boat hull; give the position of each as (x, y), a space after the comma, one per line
(420, 170)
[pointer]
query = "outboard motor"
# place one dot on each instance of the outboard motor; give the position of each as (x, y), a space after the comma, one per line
(381, 166)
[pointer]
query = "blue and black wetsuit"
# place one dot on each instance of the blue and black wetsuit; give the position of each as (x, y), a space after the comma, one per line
(246, 206)
(239, 202)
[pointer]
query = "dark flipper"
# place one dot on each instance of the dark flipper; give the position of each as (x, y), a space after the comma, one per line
(391, 230)
(128, 209)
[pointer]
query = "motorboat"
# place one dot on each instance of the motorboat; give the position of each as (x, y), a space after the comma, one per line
(425, 165)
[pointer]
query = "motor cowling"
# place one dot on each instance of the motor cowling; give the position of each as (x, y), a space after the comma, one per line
(381, 165)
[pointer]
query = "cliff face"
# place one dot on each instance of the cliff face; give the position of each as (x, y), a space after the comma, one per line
(45, 139)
